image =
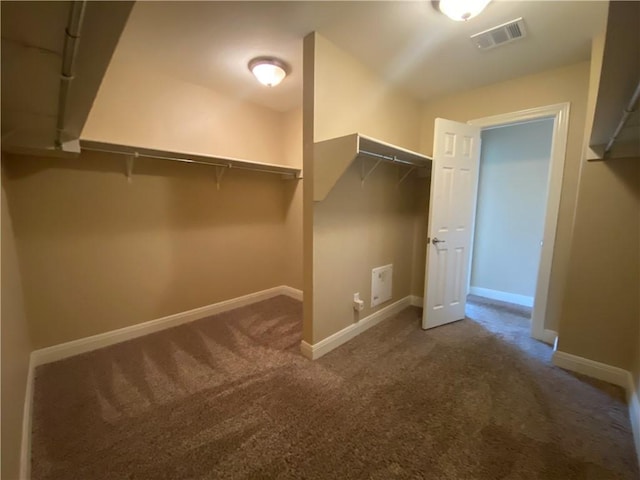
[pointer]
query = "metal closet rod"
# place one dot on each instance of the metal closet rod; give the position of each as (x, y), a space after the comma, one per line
(390, 158)
(188, 160)
(626, 113)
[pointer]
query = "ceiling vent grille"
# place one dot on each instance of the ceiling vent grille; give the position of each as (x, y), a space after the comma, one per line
(500, 35)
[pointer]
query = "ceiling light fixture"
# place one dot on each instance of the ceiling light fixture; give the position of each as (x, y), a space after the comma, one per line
(268, 70)
(462, 10)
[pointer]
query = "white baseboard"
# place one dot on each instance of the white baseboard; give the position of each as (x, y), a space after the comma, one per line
(294, 293)
(323, 347)
(307, 350)
(94, 342)
(27, 415)
(523, 300)
(549, 336)
(607, 373)
(546, 336)
(591, 368)
(417, 301)
(634, 412)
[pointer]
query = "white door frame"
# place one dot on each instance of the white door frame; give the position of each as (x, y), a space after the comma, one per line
(560, 114)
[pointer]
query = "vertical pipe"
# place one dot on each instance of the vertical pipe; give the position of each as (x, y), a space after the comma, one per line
(71, 43)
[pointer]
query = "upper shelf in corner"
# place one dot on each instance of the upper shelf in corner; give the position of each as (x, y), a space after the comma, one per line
(615, 132)
(209, 160)
(332, 157)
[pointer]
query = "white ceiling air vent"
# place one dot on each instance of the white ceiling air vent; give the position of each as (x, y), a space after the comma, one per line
(500, 35)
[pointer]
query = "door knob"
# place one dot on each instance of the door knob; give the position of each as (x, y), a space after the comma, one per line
(435, 241)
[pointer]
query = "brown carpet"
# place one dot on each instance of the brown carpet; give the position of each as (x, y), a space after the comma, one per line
(230, 397)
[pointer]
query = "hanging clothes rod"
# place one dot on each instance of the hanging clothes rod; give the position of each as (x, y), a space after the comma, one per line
(189, 158)
(390, 158)
(626, 113)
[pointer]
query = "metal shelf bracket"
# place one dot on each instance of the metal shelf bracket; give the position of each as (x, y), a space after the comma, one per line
(129, 161)
(402, 179)
(219, 174)
(365, 174)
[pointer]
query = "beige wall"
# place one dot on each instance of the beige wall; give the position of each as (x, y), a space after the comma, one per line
(105, 254)
(293, 156)
(349, 98)
(98, 253)
(292, 261)
(138, 107)
(292, 138)
(16, 347)
(567, 84)
(356, 228)
(600, 310)
(308, 108)
(600, 314)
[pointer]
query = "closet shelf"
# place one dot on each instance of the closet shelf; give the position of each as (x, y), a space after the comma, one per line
(221, 163)
(615, 131)
(390, 153)
(332, 158)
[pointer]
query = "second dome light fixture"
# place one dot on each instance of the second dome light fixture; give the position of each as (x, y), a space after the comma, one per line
(462, 10)
(269, 71)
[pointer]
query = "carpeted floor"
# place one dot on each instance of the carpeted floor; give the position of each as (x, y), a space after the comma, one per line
(230, 397)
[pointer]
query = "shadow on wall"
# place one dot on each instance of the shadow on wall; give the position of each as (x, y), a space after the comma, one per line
(621, 167)
(224, 243)
(360, 226)
(100, 253)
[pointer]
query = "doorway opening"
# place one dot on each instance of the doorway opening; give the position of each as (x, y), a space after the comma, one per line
(517, 209)
(510, 209)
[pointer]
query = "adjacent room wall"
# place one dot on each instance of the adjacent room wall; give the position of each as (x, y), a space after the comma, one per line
(600, 310)
(359, 227)
(16, 347)
(99, 253)
(512, 194)
(567, 84)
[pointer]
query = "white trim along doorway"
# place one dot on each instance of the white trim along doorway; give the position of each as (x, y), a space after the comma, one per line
(560, 115)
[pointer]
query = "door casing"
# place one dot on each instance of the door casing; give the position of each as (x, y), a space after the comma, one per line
(560, 115)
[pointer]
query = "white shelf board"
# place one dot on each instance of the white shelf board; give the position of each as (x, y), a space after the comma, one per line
(188, 157)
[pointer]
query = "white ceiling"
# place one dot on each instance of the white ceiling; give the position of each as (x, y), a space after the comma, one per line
(408, 43)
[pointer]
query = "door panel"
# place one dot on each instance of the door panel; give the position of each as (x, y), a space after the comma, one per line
(451, 209)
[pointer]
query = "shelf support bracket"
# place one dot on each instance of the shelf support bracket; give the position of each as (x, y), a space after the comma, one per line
(365, 175)
(129, 161)
(405, 176)
(291, 176)
(219, 174)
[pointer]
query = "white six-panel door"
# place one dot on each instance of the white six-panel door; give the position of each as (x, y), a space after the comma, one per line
(454, 183)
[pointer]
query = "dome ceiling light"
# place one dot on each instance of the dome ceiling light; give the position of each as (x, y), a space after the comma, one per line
(461, 10)
(268, 71)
